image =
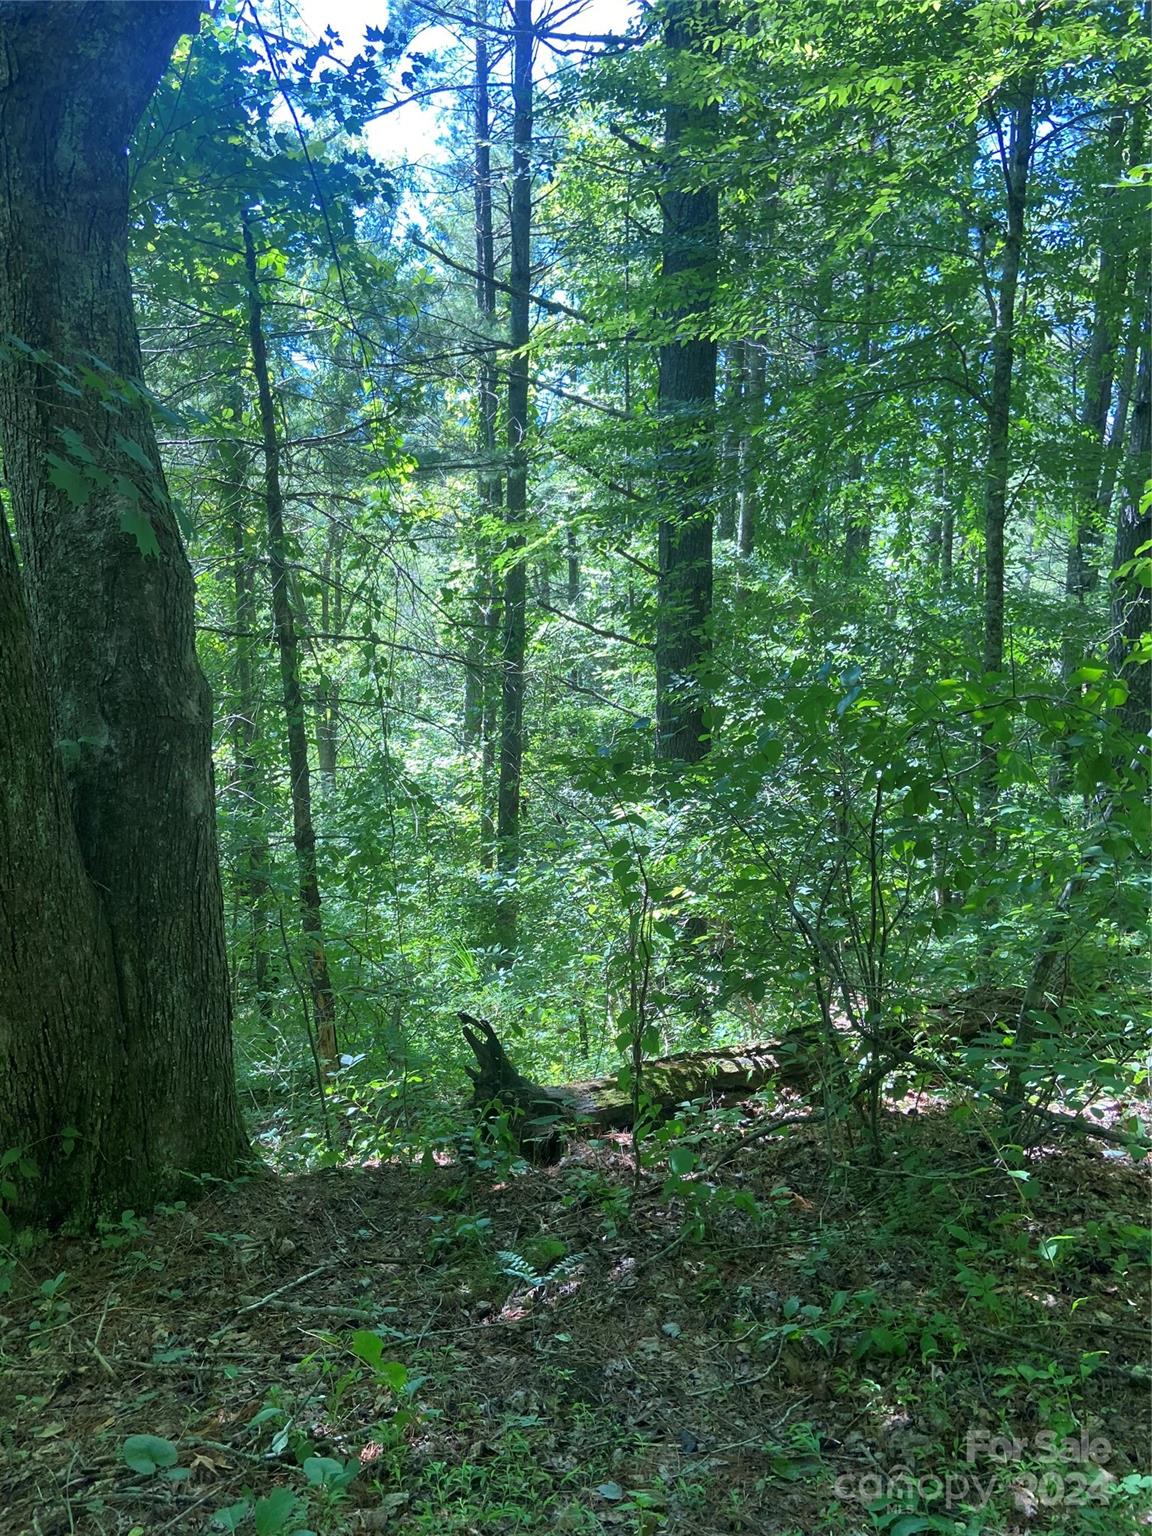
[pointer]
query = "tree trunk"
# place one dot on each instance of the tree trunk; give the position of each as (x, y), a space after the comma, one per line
(538, 1112)
(1016, 161)
(748, 494)
(1113, 456)
(60, 1020)
(686, 396)
(247, 783)
(1131, 598)
(110, 599)
(513, 634)
(328, 687)
(287, 640)
(1113, 272)
(478, 680)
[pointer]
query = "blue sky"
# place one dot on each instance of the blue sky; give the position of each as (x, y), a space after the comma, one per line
(411, 132)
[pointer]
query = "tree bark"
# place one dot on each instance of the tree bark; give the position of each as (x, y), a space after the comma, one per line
(110, 597)
(514, 618)
(686, 394)
(288, 644)
(60, 1020)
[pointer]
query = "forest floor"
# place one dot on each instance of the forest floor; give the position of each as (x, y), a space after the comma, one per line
(811, 1344)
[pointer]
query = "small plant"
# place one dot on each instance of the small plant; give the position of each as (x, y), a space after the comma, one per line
(54, 1308)
(517, 1267)
(15, 1164)
(118, 1232)
(153, 1456)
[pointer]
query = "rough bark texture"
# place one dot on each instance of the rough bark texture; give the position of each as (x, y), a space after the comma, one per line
(686, 396)
(110, 594)
(538, 1113)
(288, 645)
(60, 1024)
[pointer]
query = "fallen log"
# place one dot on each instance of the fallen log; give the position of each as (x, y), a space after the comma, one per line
(539, 1113)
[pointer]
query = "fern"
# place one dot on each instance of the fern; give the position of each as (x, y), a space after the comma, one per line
(516, 1267)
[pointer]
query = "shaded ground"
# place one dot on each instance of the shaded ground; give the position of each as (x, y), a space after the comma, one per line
(809, 1344)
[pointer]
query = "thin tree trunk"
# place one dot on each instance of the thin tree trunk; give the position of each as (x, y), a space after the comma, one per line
(858, 532)
(748, 495)
(572, 586)
(110, 598)
(328, 687)
(488, 482)
(686, 399)
(287, 640)
(732, 439)
(247, 783)
(1131, 598)
(513, 635)
(1083, 573)
(1114, 449)
(1017, 159)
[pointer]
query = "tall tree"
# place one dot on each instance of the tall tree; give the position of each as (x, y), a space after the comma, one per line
(687, 386)
(1014, 130)
(288, 646)
(247, 780)
(145, 1078)
(514, 617)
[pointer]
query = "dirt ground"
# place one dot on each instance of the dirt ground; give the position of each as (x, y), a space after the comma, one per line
(805, 1342)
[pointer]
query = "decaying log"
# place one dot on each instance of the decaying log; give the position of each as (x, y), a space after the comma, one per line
(538, 1113)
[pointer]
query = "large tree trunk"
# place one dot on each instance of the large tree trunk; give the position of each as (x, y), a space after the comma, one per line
(686, 395)
(288, 644)
(111, 602)
(515, 595)
(60, 1021)
(538, 1113)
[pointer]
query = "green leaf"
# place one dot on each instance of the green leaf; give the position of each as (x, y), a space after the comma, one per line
(322, 1471)
(681, 1160)
(393, 1374)
(134, 520)
(69, 478)
(147, 1454)
(367, 1346)
(232, 1516)
(276, 1512)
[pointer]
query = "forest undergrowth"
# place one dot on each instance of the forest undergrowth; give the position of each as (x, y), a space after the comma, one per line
(801, 1340)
